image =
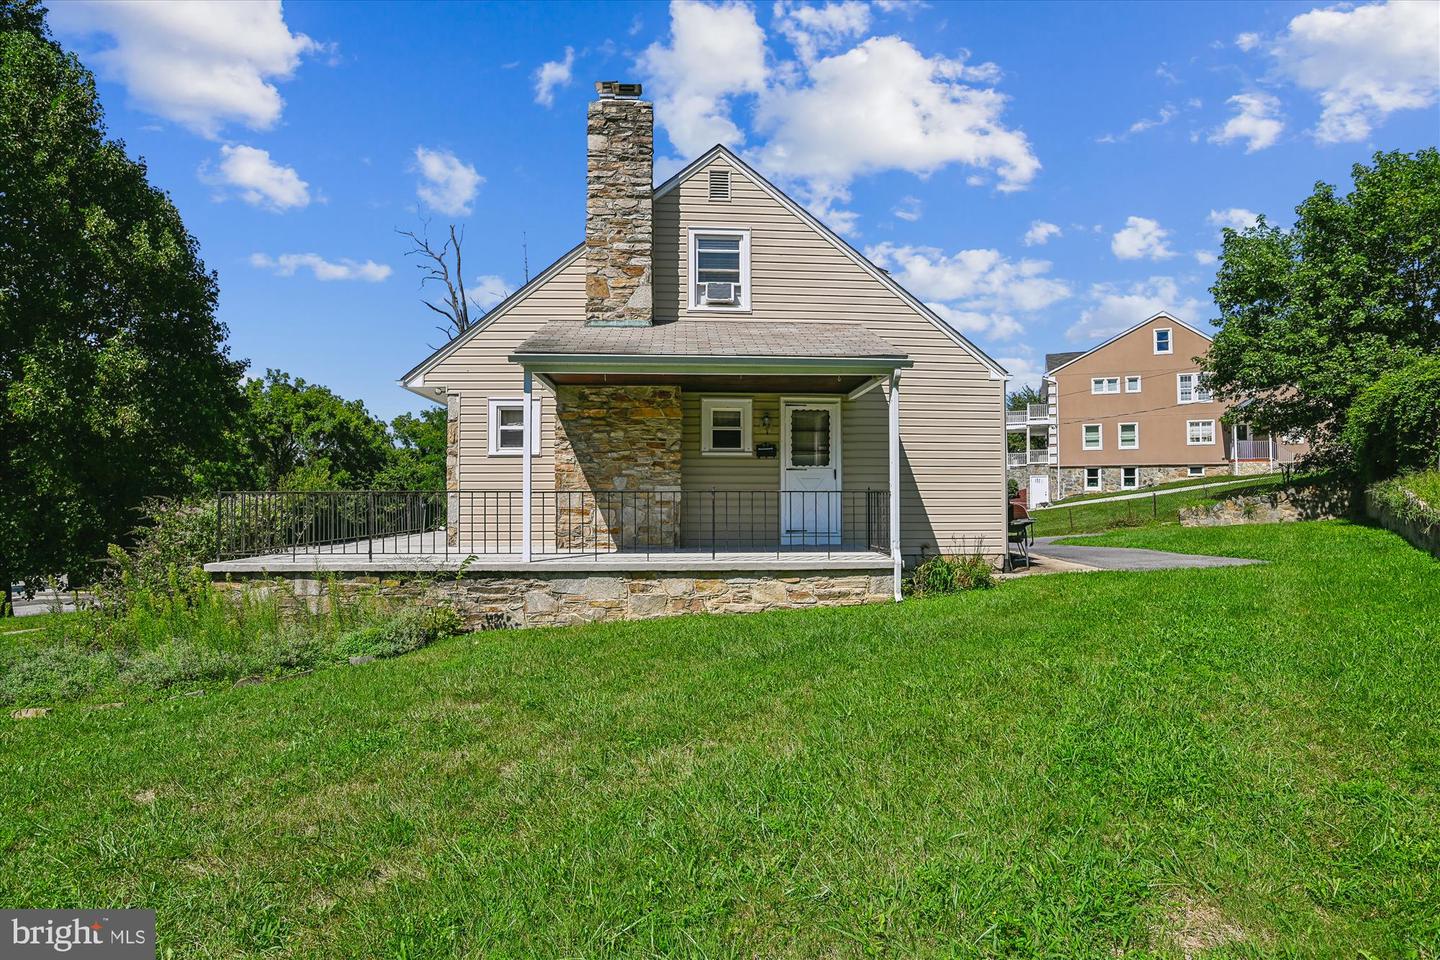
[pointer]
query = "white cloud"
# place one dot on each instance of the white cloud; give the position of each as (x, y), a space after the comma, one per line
(1236, 218)
(1365, 62)
(976, 291)
(1140, 238)
(1023, 370)
(201, 64)
(1205, 257)
(1247, 41)
(287, 264)
(488, 290)
(447, 183)
(1167, 113)
(1114, 308)
(812, 30)
(1040, 233)
(884, 106)
(909, 209)
(1257, 121)
(260, 181)
(552, 74)
(715, 53)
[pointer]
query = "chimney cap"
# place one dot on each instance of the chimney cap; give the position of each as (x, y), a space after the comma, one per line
(615, 90)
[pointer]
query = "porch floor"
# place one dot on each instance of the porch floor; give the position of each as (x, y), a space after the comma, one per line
(417, 553)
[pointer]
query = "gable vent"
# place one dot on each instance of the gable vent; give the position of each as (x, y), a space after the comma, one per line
(719, 184)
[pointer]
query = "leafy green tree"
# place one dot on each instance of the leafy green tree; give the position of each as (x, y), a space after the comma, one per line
(114, 375)
(1394, 424)
(418, 461)
(1310, 316)
(1023, 397)
(295, 435)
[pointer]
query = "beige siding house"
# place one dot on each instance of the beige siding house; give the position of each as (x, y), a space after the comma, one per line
(1133, 412)
(712, 388)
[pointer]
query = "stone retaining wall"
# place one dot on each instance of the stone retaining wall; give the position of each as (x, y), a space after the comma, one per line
(538, 600)
(1283, 506)
(1420, 535)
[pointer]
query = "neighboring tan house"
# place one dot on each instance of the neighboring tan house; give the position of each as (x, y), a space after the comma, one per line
(713, 389)
(1133, 412)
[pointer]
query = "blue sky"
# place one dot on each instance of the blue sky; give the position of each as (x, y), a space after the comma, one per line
(1044, 174)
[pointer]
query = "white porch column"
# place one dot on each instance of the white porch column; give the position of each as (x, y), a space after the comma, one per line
(897, 561)
(525, 479)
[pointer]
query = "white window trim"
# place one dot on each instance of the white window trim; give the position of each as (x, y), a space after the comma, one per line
(1135, 474)
(743, 306)
(1199, 443)
(1120, 436)
(1138, 384)
(1194, 471)
(1169, 340)
(493, 434)
(1103, 383)
(1195, 389)
(1100, 436)
(709, 405)
(1099, 478)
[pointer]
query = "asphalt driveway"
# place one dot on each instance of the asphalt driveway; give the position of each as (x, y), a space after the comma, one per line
(1129, 558)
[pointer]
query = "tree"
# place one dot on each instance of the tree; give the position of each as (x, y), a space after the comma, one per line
(293, 435)
(435, 267)
(1312, 315)
(1023, 397)
(114, 374)
(418, 459)
(1394, 425)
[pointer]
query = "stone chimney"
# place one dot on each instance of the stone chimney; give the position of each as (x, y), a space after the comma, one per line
(619, 225)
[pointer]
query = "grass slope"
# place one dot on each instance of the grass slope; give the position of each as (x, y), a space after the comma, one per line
(1103, 764)
(1160, 487)
(1162, 508)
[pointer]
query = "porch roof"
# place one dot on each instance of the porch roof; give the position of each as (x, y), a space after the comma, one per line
(724, 345)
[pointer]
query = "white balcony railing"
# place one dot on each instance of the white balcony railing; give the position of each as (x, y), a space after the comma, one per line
(1023, 458)
(1252, 450)
(1033, 413)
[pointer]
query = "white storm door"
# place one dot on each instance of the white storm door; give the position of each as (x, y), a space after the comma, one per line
(1039, 490)
(810, 473)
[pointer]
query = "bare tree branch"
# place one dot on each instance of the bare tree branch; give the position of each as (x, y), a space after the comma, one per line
(434, 266)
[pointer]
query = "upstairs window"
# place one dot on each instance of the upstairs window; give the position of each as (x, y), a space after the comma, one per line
(1091, 437)
(1189, 390)
(725, 426)
(1129, 436)
(1200, 433)
(1163, 343)
(1132, 384)
(720, 270)
(1105, 385)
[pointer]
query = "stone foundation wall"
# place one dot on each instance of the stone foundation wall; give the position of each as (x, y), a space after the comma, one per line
(1071, 480)
(617, 467)
(540, 600)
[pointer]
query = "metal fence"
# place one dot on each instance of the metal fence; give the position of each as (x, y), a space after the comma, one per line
(461, 523)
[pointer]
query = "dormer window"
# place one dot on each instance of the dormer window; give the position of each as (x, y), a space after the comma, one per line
(720, 269)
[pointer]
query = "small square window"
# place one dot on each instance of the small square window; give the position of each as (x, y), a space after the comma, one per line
(1092, 437)
(1092, 478)
(1195, 472)
(1163, 343)
(725, 426)
(507, 427)
(1200, 433)
(1129, 478)
(1132, 384)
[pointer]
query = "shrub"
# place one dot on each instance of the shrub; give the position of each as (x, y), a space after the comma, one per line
(1394, 424)
(410, 629)
(951, 574)
(1413, 496)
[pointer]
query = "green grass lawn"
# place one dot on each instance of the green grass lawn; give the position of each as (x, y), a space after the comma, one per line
(1094, 765)
(1159, 509)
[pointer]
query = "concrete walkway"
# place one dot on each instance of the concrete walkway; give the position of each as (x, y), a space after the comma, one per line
(1129, 558)
(1147, 494)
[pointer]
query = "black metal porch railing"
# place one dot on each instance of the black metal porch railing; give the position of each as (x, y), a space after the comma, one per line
(461, 523)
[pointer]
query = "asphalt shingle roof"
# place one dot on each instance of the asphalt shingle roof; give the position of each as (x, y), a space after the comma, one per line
(719, 338)
(1053, 360)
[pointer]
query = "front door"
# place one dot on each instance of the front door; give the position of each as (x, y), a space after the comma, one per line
(810, 472)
